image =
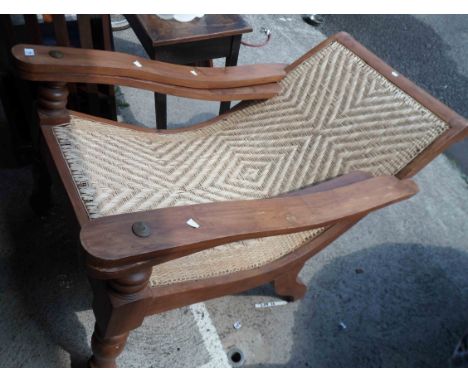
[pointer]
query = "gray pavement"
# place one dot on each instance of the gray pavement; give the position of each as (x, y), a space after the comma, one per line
(397, 280)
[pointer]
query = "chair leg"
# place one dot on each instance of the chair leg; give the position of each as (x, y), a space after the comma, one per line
(106, 350)
(51, 110)
(119, 307)
(289, 285)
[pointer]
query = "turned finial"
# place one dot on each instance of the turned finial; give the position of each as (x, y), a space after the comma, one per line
(52, 103)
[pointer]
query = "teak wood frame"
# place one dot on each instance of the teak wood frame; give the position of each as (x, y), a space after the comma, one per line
(122, 295)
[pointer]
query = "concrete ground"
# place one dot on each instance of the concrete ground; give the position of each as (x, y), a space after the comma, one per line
(393, 291)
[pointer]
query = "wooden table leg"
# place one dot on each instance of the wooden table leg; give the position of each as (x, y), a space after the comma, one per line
(231, 60)
(160, 102)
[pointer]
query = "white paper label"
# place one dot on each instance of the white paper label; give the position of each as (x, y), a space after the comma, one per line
(270, 304)
(192, 223)
(29, 52)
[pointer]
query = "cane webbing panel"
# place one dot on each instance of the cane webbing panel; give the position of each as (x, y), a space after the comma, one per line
(335, 114)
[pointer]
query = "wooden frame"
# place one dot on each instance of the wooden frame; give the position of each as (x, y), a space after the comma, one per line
(122, 296)
(60, 62)
(247, 82)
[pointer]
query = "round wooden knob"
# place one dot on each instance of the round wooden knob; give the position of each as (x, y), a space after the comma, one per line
(141, 229)
(56, 54)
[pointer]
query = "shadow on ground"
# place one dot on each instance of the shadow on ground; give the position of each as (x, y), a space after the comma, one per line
(43, 287)
(400, 305)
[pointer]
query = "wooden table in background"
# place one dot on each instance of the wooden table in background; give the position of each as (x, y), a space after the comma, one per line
(196, 42)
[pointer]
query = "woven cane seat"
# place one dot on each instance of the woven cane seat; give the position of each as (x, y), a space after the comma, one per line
(335, 114)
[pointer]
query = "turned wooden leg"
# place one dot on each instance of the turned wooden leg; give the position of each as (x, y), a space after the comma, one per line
(119, 307)
(51, 110)
(52, 103)
(106, 350)
(289, 285)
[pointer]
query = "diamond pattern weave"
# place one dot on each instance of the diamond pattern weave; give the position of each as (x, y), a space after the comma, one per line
(335, 114)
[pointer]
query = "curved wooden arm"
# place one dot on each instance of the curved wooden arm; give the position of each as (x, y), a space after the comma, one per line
(244, 93)
(249, 82)
(110, 241)
(74, 61)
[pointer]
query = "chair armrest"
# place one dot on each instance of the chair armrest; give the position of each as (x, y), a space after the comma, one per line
(110, 241)
(98, 66)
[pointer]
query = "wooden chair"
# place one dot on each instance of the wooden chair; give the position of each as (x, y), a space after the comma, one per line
(176, 217)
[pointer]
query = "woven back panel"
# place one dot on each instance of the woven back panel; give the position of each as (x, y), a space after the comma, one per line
(335, 114)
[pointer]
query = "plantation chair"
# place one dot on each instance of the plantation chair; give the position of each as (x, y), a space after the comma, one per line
(176, 217)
